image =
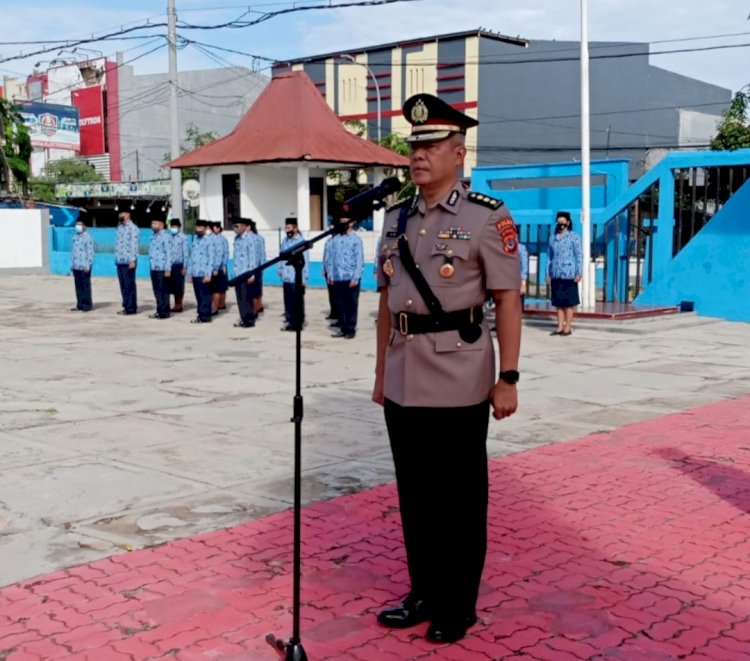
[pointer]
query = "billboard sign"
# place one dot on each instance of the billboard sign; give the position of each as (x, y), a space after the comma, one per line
(90, 104)
(51, 126)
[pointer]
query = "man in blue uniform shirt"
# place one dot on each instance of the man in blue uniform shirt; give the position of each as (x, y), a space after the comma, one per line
(261, 243)
(346, 261)
(219, 281)
(200, 270)
(286, 271)
(246, 258)
(126, 258)
(333, 313)
(160, 262)
(180, 255)
(82, 258)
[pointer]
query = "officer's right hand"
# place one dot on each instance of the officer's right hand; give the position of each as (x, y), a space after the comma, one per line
(131, 265)
(377, 392)
(207, 279)
(251, 280)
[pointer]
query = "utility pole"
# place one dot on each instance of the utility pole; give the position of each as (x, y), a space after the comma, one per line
(137, 166)
(176, 176)
(588, 289)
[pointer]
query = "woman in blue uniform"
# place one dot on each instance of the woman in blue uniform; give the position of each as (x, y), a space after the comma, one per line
(564, 267)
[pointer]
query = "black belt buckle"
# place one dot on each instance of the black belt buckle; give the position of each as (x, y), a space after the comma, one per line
(403, 323)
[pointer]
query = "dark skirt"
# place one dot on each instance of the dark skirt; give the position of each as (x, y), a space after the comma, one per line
(565, 293)
(219, 283)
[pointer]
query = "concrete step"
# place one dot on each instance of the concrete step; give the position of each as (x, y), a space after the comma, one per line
(640, 326)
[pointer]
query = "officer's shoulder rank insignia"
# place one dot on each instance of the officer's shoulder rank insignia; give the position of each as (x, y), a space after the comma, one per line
(485, 200)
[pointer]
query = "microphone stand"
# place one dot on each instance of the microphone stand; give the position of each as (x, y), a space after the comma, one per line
(291, 649)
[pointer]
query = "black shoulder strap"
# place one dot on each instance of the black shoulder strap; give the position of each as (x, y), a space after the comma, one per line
(407, 259)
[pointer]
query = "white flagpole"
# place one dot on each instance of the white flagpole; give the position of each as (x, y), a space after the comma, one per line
(588, 289)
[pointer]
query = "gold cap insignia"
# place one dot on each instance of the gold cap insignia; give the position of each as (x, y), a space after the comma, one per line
(419, 113)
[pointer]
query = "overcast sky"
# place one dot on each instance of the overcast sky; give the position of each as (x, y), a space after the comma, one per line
(666, 24)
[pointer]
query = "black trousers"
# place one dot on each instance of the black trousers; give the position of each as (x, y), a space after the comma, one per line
(202, 298)
(441, 474)
(334, 310)
(347, 302)
(82, 282)
(245, 295)
(290, 308)
(126, 276)
(160, 283)
(177, 282)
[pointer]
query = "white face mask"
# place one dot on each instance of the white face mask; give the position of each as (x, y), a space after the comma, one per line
(79, 229)
(173, 230)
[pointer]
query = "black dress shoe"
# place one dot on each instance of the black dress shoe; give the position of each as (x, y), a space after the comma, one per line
(198, 320)
(409, 614)
(450, 631)
(240, 324)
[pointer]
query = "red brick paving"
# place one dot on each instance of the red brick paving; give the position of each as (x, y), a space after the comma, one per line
(629, 545)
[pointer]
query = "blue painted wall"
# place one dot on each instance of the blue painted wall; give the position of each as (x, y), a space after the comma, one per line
(534, 193)
(713, 269)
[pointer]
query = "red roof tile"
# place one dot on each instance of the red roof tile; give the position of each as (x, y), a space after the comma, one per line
(290, 121)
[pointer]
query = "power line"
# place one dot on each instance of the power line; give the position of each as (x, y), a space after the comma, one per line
(81, 42)
(238, 23)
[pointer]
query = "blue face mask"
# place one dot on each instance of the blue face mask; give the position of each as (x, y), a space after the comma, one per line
(173, 230)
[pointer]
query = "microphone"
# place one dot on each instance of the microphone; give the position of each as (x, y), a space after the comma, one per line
(366, 202)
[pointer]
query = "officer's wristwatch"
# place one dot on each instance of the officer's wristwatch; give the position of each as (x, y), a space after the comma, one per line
(509, 376)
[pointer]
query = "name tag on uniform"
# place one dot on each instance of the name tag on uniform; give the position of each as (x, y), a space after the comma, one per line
(391, 234)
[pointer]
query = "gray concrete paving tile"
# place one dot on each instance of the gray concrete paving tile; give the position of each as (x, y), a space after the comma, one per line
(120, 432)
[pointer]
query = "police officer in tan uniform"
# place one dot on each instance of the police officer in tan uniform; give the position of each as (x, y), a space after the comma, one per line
(435, 373)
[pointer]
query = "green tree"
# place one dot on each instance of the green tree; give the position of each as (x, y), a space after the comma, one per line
(15, 149)
(347, 181)
(64, 171)
(734, 129)
(397, 144)
(194, 138)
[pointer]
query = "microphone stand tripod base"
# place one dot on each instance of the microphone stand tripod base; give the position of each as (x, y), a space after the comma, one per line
(286, 649)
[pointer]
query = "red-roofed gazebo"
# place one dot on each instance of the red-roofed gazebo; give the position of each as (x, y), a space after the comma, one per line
(274, 163)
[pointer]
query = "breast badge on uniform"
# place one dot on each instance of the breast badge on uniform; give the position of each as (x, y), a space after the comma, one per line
(447, 270)
(506, 228)
(388, 267)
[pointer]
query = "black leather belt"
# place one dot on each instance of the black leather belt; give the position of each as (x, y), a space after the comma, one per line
(408, 323)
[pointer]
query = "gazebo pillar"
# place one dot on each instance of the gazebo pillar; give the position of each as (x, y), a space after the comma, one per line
(303, 197)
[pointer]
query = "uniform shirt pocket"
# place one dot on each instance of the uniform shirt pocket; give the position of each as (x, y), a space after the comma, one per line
(451, 342)
(445, 255)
